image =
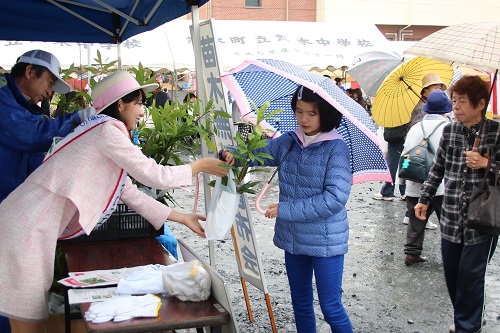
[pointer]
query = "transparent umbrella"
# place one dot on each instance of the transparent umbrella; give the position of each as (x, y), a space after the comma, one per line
(475, 45)
(371, 68)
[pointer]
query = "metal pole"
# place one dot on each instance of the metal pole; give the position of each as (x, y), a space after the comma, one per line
(202, 94)
(89, 64)
(118, 50)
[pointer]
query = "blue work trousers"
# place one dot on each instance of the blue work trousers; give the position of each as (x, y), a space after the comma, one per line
(328, 276)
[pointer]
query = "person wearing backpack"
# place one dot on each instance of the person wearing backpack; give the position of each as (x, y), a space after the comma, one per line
(432, 125)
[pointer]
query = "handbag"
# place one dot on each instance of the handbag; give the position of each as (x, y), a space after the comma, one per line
(416, 163)
(484, 202)
(222, 209)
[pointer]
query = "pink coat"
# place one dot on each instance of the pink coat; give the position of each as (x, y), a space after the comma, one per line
(71, 189)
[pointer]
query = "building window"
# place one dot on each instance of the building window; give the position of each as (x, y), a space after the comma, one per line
(253, 3)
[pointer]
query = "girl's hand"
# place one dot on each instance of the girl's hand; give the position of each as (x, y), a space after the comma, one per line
(272, 211)
(228, 157)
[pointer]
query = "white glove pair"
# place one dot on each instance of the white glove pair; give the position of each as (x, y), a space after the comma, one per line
(188, 281)
(124, 308)
(147, 281)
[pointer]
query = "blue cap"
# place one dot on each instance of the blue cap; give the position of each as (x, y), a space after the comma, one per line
(437, 103)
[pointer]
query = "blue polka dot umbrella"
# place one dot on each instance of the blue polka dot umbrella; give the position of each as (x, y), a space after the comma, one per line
(258, 81)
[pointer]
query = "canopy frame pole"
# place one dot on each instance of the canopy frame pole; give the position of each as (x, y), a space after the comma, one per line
(109, 8)
(202, 94)
(55, 3)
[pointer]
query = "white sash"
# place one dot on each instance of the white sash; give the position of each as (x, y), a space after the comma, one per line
(59, 143)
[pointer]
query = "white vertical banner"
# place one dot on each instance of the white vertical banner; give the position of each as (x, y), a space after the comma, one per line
(248, 256)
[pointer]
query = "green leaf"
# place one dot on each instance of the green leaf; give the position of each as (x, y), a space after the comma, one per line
(222, 114)
(257, 130)
(259, 144)
(273, 114)
(264, 155)
(247, 187)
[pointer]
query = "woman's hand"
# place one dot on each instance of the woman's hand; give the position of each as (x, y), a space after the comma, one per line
(189, 220)
(474, 160)
(421, 211)
(209, 165)
(192, 222)
(272, 211)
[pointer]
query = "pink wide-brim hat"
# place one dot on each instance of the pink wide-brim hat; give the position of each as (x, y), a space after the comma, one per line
(115, 86)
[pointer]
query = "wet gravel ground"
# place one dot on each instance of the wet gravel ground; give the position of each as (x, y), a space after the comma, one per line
(381, 294)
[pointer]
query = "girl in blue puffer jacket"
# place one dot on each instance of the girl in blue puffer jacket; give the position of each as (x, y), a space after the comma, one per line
(311, 219)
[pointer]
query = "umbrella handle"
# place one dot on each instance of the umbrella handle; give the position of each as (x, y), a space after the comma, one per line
(259, 197)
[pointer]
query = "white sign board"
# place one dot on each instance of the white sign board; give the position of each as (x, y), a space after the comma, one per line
(306, 44)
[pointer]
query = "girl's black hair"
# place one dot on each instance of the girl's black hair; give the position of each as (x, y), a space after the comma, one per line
(112, 110)
(329, 116)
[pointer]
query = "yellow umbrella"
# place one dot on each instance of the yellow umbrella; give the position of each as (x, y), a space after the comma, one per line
(400, 91)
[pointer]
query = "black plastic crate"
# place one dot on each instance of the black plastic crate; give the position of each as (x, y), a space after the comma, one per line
(124, 223)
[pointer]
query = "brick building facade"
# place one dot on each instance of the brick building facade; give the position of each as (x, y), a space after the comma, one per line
(269, 10)
(296, 10)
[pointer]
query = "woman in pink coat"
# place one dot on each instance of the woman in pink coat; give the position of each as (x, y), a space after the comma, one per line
(76, 188)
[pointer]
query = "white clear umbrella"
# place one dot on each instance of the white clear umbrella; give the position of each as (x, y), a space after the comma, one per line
(475, 45)
(371, 68)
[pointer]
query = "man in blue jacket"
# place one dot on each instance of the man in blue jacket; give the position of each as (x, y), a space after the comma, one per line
(25, 133)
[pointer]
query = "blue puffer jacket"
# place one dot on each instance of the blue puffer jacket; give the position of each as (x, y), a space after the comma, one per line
(24, 136)
(315, 183)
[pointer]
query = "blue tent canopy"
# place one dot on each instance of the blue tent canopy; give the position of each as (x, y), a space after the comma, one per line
(86, 21)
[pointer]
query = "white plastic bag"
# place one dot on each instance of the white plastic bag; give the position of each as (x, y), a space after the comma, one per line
(383, 143)
(188, 281)
(222, 210)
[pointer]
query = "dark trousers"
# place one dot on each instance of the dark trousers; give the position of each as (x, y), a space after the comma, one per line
(464, 270)
(415, 230)
(394, 150)
(4, 325)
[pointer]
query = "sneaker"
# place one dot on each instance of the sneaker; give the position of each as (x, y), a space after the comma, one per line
(406, 220)
(431, 226)
(379, 196)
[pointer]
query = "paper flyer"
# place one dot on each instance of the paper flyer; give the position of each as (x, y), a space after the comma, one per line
(99, 278)
(77, 296)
